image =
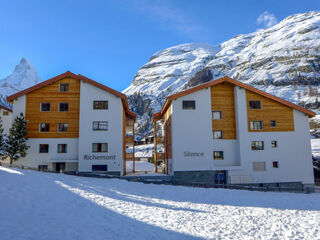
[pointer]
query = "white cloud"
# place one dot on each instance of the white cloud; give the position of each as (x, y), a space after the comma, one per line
(267, 19)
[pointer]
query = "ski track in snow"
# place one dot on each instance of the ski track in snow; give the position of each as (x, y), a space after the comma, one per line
(35, 205)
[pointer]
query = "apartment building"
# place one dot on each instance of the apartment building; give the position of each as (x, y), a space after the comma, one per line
(6, 118)
(227, 132)
(75, 124)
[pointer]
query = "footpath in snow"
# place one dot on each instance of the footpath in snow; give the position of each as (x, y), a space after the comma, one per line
(36, 205)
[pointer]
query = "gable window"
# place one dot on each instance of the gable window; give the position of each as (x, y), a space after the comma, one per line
(45, 107)
(256, 125)
(254, 104)
(275, 164)
(5, 113)
(99, 147)
(274, 144)
(100, 105)
(62, 148)
(259, 166)
(62, 127)
(100, 125)
(218, 155)
(257, 145)
(189, 105)
(64, 87)
(43, 148)
(44, 127)
(217, 134)
(63, 107)
(216, 115)
(273, 123)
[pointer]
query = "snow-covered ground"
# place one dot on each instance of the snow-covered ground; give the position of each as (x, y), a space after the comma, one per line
(35, 205)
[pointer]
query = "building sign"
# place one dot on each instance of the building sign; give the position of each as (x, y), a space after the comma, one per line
(195, 154)
(95, 157)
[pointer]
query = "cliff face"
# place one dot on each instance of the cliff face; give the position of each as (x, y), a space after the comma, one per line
(283, 60)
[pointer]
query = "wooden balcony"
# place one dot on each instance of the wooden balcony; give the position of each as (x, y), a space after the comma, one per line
(129, 123)
(129, 156)
(160, 140)
(160, 156)
(129, 140)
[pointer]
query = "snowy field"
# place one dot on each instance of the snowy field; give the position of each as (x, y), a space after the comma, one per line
(35, 205)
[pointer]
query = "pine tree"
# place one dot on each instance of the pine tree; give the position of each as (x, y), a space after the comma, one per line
(3, 139)
(16, 144)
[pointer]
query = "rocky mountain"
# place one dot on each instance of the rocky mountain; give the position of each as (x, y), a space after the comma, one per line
(283, 60)
(23, 76)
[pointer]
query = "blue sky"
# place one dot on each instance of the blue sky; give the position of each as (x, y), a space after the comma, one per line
(109, 40)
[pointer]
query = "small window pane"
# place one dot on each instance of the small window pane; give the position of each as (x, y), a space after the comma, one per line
(44, 127)
(217, 134)
(45, 107)
(275, 164)
(104, 147)
(5, 113)
(64, 87)
(188, 105)
(101, 168)
(259, 166)
(273, 123)
(254, 104)
(257, 145)
(99, 147)
(100, 125)
(216, 115)
(94, 147)
(62, 127)
(43, 148)
(100, 104)
(218, 155)
(256, 125)
(63, 107)
(62, 148)
(274, 144)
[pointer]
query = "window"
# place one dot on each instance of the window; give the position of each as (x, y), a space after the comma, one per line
(273, 123)
(101, 168)
(217, 134)
(188, 105)
(216, 115)
(64, 87)
(44, 127)
(62, 148)
(63, 107)
(254, 104)
(5, 113)
(100, 104)
(43, 148)
(274, 144)
(45, 107)
(259, 166)
(257, 145)
(99, 147)
(100, 125)
(62, 127)
(43, 168)
(275, 164)
(256, 125)
(218, 155)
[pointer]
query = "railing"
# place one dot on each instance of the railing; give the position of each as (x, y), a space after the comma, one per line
(129, 156)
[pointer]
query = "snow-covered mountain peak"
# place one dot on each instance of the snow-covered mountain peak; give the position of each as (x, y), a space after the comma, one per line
(23, 76)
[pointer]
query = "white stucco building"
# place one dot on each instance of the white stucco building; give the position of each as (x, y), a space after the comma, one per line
(75, 124)
(226, 132)
(6, 118)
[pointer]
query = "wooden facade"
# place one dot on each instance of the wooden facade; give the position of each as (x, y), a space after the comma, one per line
(270, 111)
(51, 94)
(222, 99)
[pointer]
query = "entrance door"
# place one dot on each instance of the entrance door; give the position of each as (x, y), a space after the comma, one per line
(220, 177)
(60, 167)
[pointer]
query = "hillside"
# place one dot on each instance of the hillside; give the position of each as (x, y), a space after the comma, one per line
(283, 60)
